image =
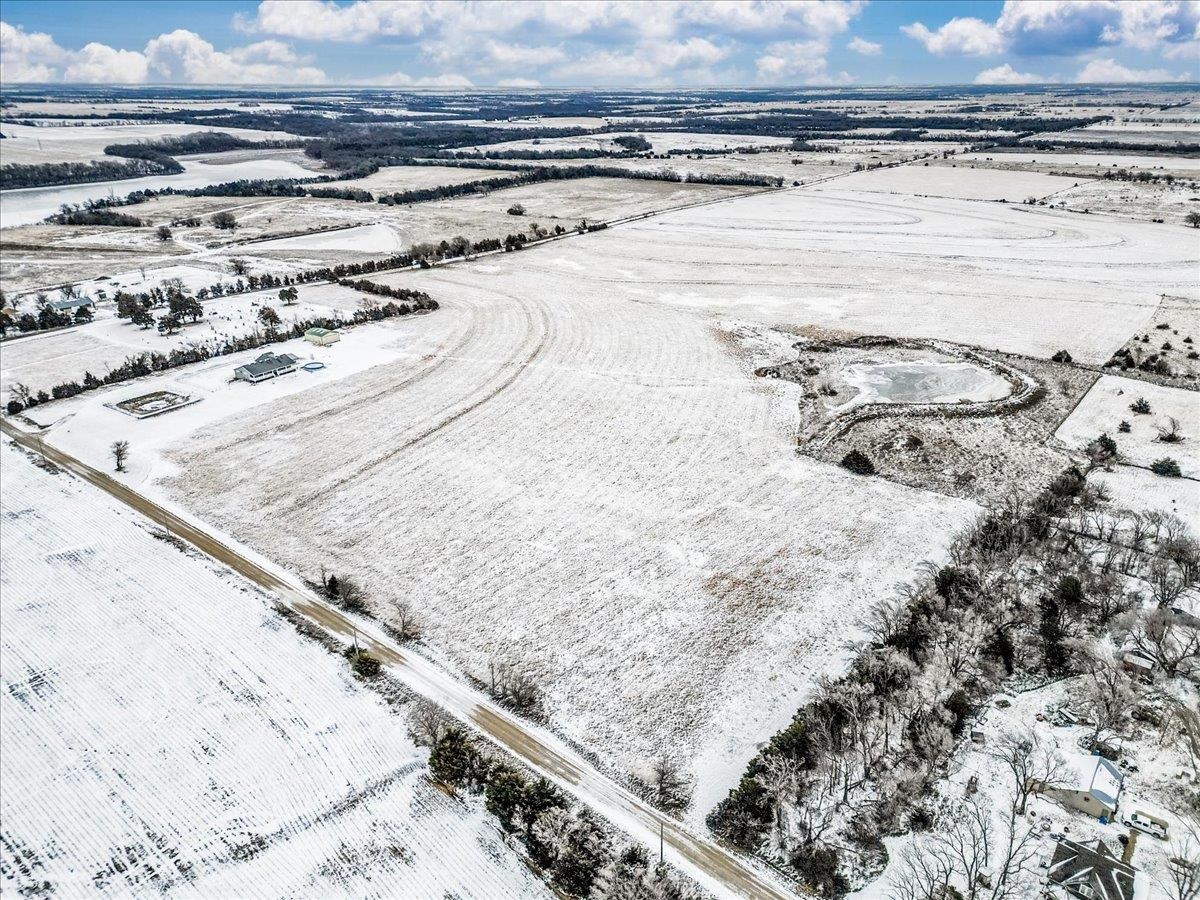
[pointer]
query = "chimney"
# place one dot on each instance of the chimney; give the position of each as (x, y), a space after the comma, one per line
(1130, 846)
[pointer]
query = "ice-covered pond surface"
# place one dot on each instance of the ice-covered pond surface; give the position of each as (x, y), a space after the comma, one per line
(924, 382)
(29, 205)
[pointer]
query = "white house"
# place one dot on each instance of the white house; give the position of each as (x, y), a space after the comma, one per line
(1092, 786)
(268, 365)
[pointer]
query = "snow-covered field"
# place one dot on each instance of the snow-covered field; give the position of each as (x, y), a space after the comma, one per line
(28, 205)
(1142, 491)
(378, 238)
(569, 467)
(1107, 405)
(28, 144)
(165, 732)
(1165, 135)
(1013, 277)
(660, 141)
(1174, 165)
(557, 474)
(956, 181)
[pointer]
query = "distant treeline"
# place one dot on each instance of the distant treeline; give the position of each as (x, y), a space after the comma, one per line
(537, 174)
(17, 176)
(388, 146)
(139, 160)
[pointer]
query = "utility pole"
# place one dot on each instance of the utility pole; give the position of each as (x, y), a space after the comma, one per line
(660, 843)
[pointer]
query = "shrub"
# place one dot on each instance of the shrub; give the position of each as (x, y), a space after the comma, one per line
(516, 210)
(1166, 467)
(1140, 406)
(858, 463)
(1169, 433)
(13, 407)
(454, 759)
(818, 868)
(1106, 444)
(363, 663)
(1123, 427)
(224, 220)
(1062, 356)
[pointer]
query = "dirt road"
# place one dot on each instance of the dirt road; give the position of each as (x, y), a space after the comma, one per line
(716, 869)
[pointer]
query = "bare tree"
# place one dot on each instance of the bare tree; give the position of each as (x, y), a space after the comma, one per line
(967, 858)
(1169, 433)
(1182, 881)
(1108, 696)
(1167, 581)
(1164, 637)
(408, 626)
(427, 724)
(671, 790)
(239, 266)
(20, 393)
(1032, 765)
(120, 453)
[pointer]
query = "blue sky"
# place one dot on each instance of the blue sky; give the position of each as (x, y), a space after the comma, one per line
(526, 43)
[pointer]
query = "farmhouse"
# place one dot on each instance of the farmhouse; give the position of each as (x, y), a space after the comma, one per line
(322, 337)
(266, 366)
(1090, 873)
(71, 305)
(1092, 787)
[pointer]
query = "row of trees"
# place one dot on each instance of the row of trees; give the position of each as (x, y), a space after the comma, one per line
(142, 364)
(45, 318)
(576, 851)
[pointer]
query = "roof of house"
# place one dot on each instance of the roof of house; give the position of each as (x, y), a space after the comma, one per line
(70, 304)
(269, 362)
(1097, 776)
(1092, 872)
(318, 332)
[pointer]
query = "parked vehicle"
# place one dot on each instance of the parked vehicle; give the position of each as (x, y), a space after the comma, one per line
(1147, 823)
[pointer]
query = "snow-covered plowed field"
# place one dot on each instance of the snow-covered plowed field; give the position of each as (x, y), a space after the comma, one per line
(1003, 276)
(165, 732)
(559, 475)
(956, 181)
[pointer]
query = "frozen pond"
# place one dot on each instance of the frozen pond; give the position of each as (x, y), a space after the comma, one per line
(924, 382)
(29, 205)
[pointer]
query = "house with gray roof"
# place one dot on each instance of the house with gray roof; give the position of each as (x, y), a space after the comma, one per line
(1089, 873)
(71, 305)
(268, 365)
(1093, 786)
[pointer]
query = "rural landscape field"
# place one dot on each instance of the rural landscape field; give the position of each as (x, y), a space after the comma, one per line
(677, 470)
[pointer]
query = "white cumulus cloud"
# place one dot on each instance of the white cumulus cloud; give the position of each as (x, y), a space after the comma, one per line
(181, 57)
(1006, 74)
(865, 47)
(1049, 27)
(1109, 71)
(967, 35)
